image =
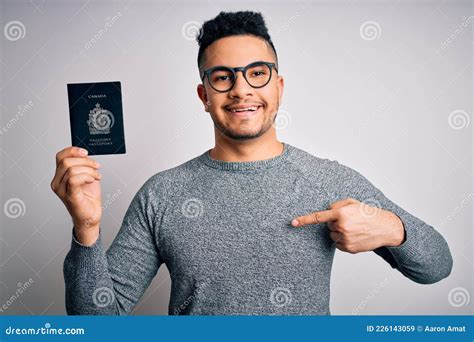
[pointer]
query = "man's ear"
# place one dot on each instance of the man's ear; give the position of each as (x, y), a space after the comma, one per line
(203, 96)
(280, 86)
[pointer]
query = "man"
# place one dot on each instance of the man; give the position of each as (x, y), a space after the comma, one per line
(249, 226)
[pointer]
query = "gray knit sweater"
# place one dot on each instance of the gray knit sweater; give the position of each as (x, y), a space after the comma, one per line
(224, 231)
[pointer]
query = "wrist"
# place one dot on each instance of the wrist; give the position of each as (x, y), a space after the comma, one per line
(397, 234)
(86, 236)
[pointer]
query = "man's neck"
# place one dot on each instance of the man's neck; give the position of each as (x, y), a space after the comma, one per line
(263, 147)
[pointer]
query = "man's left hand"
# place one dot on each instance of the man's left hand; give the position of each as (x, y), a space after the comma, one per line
(356, 226)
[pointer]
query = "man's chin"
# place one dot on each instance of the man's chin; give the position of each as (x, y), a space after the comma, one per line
(242, 135)
(243, 130)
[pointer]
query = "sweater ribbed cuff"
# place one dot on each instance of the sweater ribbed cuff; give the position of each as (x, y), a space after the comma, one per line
(84, 257)
(408, 248)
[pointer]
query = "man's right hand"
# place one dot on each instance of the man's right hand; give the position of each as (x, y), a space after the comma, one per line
(76, 183)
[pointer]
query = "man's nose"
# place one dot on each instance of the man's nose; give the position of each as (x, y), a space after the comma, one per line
(241, 86)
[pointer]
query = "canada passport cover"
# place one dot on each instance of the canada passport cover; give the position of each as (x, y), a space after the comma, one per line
(96, 116)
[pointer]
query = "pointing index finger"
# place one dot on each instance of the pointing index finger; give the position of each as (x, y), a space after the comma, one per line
(316, 218)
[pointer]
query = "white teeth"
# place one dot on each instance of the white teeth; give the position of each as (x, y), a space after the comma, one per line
(253, 108)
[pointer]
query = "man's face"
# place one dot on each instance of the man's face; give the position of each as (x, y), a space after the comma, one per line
(239, 51)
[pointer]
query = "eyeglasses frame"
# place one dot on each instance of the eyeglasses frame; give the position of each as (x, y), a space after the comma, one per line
(207, 73)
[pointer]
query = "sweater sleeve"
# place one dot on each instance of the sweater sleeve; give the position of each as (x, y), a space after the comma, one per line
(111, 282)
(424, 256)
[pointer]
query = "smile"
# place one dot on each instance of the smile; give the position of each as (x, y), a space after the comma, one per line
(247, 111)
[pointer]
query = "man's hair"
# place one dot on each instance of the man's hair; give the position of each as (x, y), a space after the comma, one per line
(227, 24)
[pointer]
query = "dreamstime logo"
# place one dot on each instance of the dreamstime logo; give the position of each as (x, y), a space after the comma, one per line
(287, 24)
(14, 208)
(107, 26)
(465, 22)
(14, 30)
(21, 110)
(281, 296)
(192, 207)
(110, 199)
(459, 296)
(191, 30)
(464, 202)
(369, 208)
(200, 288)
(370, 30)
(282, 119)
(458, 119)
(102, 297)
(46, 330)
(376, 114)
(370, 296)
(22, 287)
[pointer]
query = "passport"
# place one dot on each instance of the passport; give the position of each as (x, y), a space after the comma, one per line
(96, 117)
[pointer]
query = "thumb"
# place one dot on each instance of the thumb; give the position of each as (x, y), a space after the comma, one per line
(343, 203)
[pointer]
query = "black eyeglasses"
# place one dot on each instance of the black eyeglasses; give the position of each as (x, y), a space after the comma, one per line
(222, 78)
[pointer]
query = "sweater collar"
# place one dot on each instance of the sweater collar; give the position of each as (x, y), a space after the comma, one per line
(254, 165)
